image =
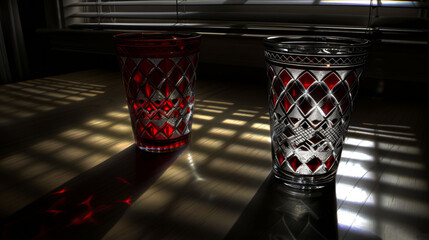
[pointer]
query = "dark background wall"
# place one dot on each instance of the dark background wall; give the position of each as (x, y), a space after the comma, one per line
(394, 68)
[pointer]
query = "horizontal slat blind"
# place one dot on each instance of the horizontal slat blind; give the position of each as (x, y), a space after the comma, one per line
(97, 13)
(229, 14)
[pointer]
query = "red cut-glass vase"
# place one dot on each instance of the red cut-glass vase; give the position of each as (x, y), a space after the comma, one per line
(158, 72)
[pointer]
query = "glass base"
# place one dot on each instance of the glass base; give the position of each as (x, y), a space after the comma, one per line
(163, 145)
(304, 182)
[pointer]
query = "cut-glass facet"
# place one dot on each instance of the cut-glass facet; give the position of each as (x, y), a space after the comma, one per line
(330, 162)
(285, 77)
(277, 87)
(317, 92)
(295, 91)
(294, 162)
(351, 79)
(280, 157)
(339, 92)
(328, 105)
(314, 164)
(331, 80)
(305, 105)
(306, 80)
(286, 103)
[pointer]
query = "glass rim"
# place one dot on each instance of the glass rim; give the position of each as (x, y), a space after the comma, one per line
(141, 38)
(298, 44)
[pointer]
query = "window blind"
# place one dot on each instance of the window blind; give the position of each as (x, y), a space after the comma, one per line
(351, 15)
(118, 14)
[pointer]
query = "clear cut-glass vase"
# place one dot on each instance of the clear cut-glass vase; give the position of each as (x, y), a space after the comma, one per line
(313, 82)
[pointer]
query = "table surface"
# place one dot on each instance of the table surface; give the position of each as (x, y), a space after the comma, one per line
(69, 169)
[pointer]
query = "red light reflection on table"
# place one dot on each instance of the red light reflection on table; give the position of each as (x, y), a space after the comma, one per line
(127, 201)
(60, 191)
(123, 180)
(96, 197)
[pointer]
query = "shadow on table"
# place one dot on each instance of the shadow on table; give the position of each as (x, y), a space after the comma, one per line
(99, 196)
(279, 212)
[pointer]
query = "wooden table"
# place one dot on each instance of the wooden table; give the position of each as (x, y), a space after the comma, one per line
(69, 169)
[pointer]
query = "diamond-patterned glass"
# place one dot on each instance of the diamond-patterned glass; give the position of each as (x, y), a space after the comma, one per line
(295, 90)
(331, 80)
(311, 109)
(306, 80)
(285, 77)
(319, 110)
(318, 92)
(158, 71)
